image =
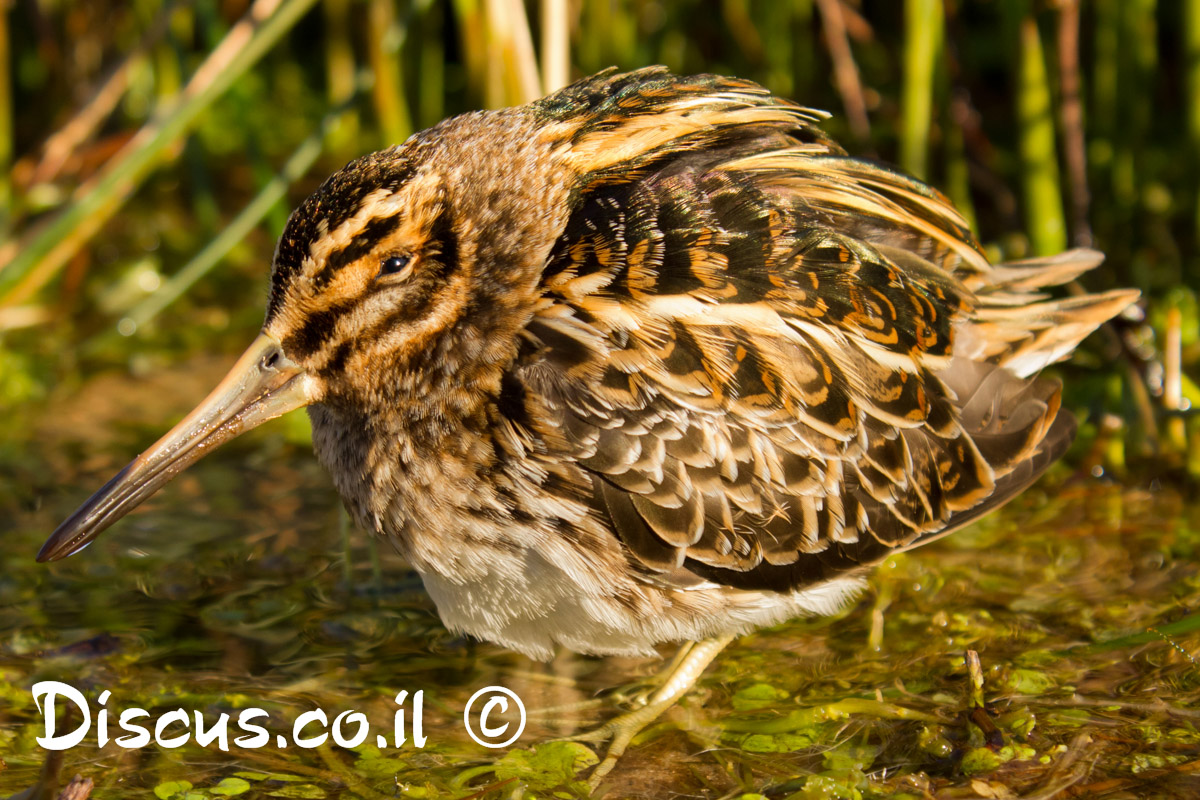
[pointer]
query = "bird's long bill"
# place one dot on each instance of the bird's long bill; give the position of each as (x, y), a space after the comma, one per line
(263, 384)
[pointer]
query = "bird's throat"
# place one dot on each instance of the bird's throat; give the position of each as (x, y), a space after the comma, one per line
(396, 464)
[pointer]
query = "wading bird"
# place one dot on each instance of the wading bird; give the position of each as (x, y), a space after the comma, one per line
(648, 360)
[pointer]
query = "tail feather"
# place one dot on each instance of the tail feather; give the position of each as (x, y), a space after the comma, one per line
(1031, 274)
(1014, 330)
(1017, 425)
(1014, 325)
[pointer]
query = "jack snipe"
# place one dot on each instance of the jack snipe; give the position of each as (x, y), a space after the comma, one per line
(650, 359)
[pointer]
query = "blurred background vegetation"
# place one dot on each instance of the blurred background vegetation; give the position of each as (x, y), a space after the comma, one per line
(150, 150)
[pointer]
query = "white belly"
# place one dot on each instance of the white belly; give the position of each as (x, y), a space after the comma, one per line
(535, 609)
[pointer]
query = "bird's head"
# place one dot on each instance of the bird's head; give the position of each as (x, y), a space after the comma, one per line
(407, 268)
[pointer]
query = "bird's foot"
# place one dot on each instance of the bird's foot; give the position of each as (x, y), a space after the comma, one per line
(679, 676)
(619, 732)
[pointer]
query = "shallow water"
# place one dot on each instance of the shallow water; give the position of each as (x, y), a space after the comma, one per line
(239, 586)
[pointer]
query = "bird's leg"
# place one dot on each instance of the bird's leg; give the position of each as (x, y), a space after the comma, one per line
(639, 692)
(679, 676)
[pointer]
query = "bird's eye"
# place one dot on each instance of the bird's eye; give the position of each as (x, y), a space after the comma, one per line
(392, 265)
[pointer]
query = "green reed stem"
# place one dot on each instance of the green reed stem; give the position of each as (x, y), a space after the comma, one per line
(6, 123)
(923, 30)
(265, 172)
(958, 174)
(385, 37)
(804, 63)
(340, 76)
(431, 69)
(779, 42)
(472, 27)
(1192, 84)
(1136, 66)
(1102, 113)
(1039, 160)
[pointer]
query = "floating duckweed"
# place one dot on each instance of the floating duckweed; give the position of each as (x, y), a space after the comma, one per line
(169, 790)
(777, 743)
(932, 740)
(979, 760)
(1020, 721)
(1028, 681)
(756, 696)
(231, 787)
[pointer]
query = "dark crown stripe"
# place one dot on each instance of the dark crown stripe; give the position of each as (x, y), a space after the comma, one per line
(372, 234)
